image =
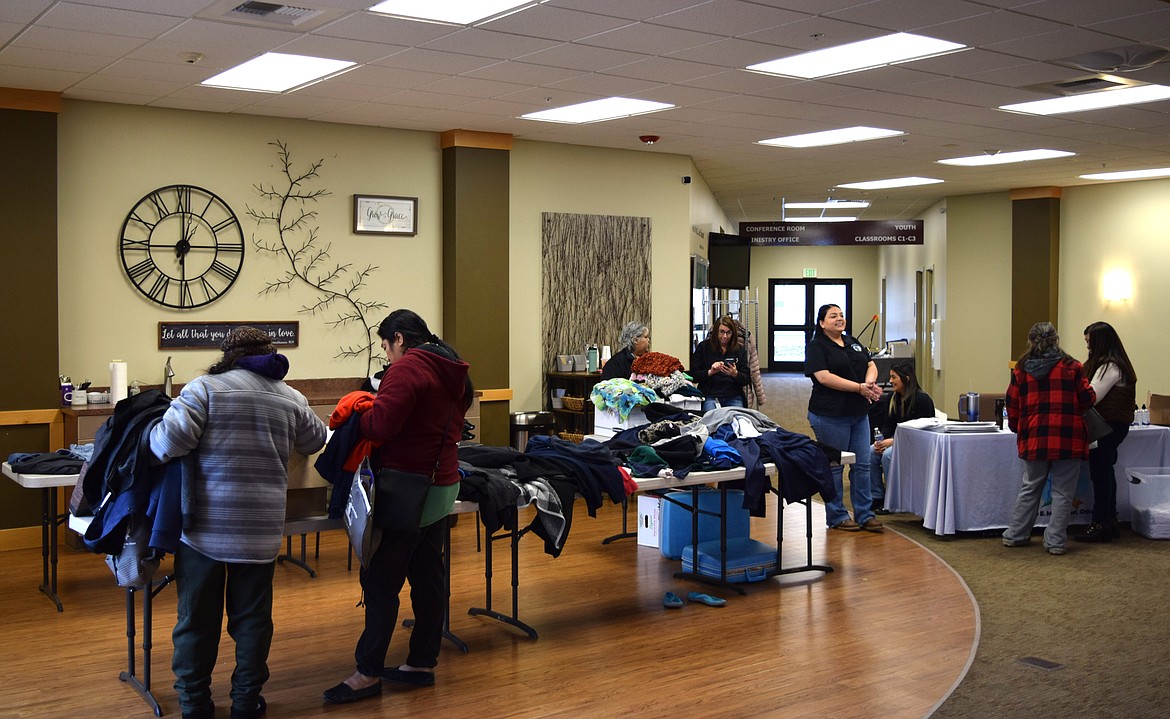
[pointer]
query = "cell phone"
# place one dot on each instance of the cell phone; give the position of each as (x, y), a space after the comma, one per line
(729, 361)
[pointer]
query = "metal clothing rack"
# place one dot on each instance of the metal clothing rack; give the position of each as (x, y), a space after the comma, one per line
(745, 308)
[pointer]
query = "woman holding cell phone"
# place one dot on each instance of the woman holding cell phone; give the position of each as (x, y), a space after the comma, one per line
(716, 366)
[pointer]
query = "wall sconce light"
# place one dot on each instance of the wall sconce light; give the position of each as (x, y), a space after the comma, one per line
(1117, 286)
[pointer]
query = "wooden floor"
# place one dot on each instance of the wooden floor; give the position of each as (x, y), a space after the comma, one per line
(885, 635)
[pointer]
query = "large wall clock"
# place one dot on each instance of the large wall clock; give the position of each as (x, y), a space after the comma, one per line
(182, 246)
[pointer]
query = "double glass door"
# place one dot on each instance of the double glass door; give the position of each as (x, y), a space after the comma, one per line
(792, 316)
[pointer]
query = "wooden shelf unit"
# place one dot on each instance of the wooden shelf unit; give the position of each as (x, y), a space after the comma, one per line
(575, 384)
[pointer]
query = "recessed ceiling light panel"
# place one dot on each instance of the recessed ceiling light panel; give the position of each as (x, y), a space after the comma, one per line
(829, 205)
(457, 12)
(820, 219)
(892, 182)
(1129, 174)
(854, 56)
(1133, 95)
(610, 108)
(1003, 158)
(832, 137)
(278, 72)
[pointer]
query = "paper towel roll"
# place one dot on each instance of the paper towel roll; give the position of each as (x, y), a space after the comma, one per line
(118, 385)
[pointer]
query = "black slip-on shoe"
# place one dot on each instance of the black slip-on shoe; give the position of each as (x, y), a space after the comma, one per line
(344, 694)
(417, 679)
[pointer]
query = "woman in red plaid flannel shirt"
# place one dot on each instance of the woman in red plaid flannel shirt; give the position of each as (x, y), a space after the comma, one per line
(1046, 399)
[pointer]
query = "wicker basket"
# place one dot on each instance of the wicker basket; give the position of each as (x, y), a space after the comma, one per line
(573, 437)
(574, 403)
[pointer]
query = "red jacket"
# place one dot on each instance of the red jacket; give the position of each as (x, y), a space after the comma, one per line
(1045, 401)
(417, 415)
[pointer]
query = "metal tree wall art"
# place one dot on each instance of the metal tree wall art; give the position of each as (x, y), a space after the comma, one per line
(336, 286)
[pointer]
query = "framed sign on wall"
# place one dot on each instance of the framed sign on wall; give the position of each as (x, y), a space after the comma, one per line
(208, 335)
(385, 215)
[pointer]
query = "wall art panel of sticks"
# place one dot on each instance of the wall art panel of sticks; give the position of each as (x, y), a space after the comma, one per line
(595, 277)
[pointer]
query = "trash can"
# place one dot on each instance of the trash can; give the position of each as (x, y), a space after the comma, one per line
(526, 424)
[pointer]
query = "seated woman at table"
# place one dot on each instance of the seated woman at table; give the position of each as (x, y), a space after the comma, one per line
(906, 402)
(1114, 381)
(844, 381)
(720, 367)
(1046, 399)
(634, 341)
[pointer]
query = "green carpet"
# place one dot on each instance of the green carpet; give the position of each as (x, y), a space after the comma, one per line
(1102, 611)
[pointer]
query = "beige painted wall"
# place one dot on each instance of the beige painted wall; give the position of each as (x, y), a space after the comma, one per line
(570, 178)
(112, 155)
(976, 319)
(857, 263)
(1118, 227)
(899, 267)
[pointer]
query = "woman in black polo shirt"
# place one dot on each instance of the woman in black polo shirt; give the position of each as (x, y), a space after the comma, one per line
(844, 384)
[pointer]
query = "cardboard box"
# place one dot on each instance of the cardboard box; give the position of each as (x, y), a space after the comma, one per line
(649, 520)
(1149, 498)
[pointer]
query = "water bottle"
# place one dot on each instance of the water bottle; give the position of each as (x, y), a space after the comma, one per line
(1145, 416)
(591, 359)
(877, 435)
(1137, 417)
(1004, 426)
(972, 406)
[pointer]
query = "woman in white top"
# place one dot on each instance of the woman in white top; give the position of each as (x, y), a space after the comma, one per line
(1111, 374)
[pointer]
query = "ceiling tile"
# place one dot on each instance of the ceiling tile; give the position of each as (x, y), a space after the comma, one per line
(651, 39)
(486, 43)
(380, 28)
(1056, 45)
(471, 87)
(581, 57)
(910, 15)
(38, 78)
(729, 17)
(222, 45)
(523, 73)
(1083, 12)
(88, 43)
(23, 11)
(605, 85)
(661, 69)
(555, 23)
(445, 63)
(52, 59)
(628, 9)
(89, 18)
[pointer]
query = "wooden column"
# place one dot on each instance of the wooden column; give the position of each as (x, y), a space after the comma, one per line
(29, 354)
(475, 267)
(1035, 262)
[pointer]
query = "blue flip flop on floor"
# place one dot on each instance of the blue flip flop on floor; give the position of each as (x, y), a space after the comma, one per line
(707, 599)
(671, 601)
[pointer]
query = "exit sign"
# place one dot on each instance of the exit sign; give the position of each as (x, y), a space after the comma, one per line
(809, 272)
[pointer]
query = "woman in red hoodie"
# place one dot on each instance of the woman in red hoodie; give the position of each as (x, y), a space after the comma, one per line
(1046, 401)
(416, 419)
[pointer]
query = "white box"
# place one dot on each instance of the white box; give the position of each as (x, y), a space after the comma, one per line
(683, 401)
(649, 519)
(1149, 499)
(606, 421)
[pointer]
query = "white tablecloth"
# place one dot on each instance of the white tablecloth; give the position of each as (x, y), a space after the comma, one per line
(961, 482)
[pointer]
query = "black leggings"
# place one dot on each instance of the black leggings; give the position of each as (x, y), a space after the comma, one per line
(1101, 461)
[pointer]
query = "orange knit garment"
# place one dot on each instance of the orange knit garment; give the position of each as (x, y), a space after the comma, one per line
(656, 363)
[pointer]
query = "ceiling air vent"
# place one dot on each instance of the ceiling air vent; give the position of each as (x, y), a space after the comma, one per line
(1083, 85)
(288, 15)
